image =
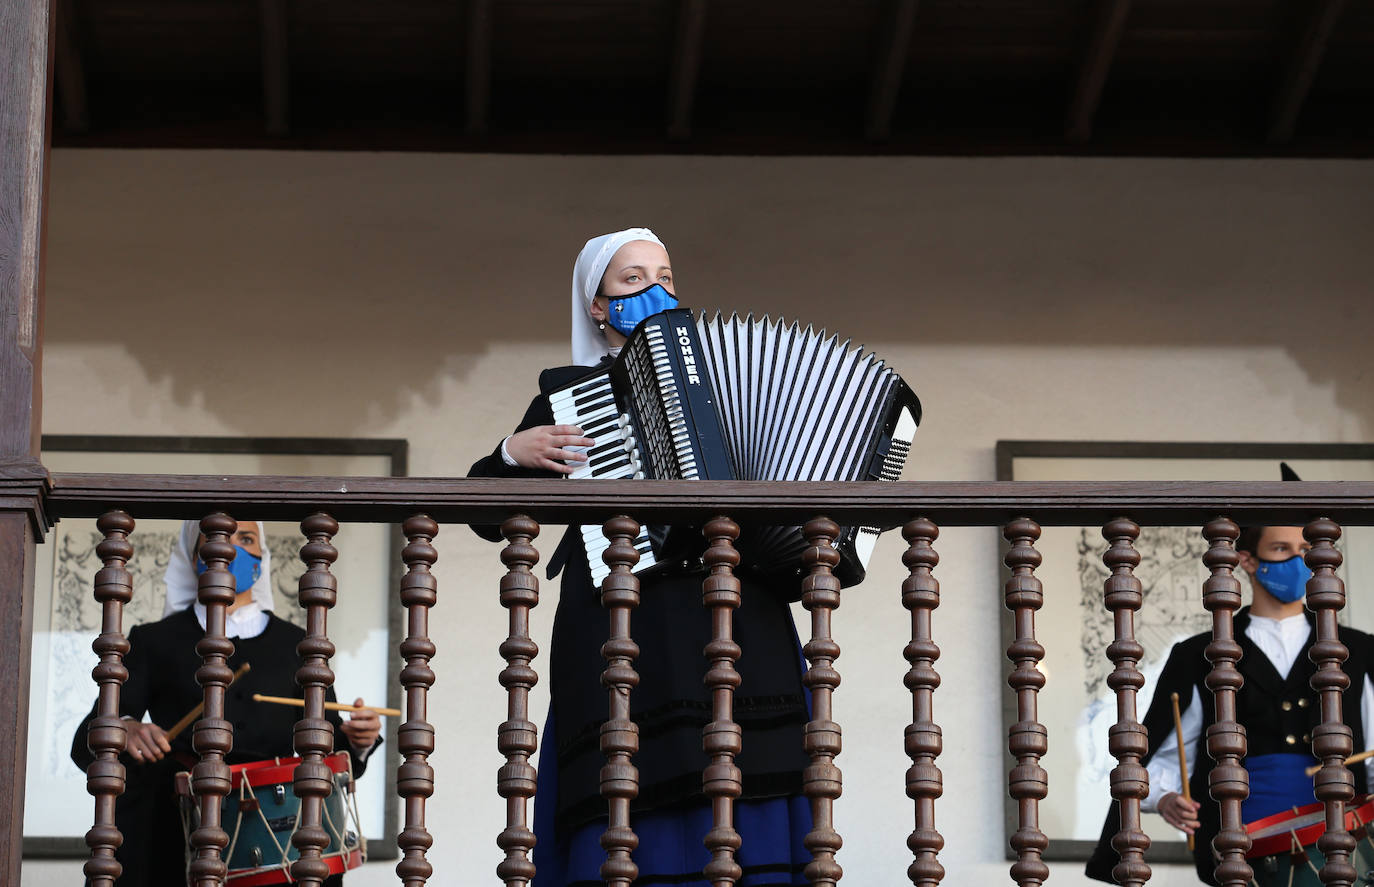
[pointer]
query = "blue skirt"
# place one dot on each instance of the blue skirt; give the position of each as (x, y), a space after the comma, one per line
(670, 849)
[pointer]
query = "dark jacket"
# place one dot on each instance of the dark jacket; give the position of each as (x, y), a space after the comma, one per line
(671, 704)
(1259, 710)
(162, 663)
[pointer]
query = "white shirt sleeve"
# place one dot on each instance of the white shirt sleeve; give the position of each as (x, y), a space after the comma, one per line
(505, 454)
(1163, 764)
(1367, 718)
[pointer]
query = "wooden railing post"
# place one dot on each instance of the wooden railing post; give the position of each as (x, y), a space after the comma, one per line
(1228, 781)
(1332, 739)
(924, 741)
(1127, 740)
(213, 735)
(106, 734)
(415, 738)
(620, 734)
(821, 780)
(518, 738)
(314, 734)
(722, 739)
(1028, 739)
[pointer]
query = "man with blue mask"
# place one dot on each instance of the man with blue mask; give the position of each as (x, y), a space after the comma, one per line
(1276, 705)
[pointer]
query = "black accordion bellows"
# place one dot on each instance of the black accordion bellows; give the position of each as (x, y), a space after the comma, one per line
(711, 397)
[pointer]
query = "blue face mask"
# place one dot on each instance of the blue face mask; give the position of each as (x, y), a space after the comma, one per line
(1285, 580)
(624, 313)
(246, 568)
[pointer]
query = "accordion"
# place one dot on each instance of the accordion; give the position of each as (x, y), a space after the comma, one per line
(716, 398)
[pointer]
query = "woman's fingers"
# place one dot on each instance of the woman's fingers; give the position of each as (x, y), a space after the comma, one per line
(146, 742)
(561, 467)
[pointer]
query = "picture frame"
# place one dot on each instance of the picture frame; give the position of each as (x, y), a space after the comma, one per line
(1172, 573)
(365, 627)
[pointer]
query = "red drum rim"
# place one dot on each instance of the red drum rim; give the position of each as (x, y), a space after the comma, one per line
(1361, 811)
(337, 863)
(279, 770)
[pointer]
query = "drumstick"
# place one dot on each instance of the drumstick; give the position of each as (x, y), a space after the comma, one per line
(1182, 758)
(200, 707)
(330, 706)
(1353, 759)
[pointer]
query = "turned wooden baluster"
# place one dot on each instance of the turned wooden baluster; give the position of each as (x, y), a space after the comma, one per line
(821, 781)
(722, 739)
(1028, 739)
(106, 736)
(314, 734)
(924, 742)
(1228, 783)
(415, 738)
(1332, 740)
(213, 735)
(620, 734)
(518, 738)
(1127, 740)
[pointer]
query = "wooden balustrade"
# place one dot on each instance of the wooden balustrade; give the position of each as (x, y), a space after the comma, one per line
(213, 735)
(722, 738)
(1128, 742)
(1229, 782)
(114, 587)
(1332, 740)
(415, 777)
(1028, 739)
(924, 741)
(1020, 510)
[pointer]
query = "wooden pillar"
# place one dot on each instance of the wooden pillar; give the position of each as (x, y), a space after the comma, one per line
(26, 40)
(1123, 594)
(1028, 739)
(1229, 782)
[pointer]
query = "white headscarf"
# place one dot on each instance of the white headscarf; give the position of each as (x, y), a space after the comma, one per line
(588, 342)
(182, 581)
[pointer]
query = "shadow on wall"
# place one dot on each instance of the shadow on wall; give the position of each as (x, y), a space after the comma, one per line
(387, 276)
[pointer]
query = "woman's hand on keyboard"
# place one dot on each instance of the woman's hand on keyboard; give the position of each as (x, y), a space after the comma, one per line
(547, 447)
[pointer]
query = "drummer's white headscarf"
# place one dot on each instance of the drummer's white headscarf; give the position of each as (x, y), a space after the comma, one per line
(182, 579)
(588, 342)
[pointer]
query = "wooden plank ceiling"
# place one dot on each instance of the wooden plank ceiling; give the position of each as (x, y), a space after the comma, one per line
(1155, 77)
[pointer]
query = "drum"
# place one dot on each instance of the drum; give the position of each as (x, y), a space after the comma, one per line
(1284, 850)
(261, 813)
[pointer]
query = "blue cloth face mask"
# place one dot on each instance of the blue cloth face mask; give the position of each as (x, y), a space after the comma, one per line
(1285, 580)
(624, 313)
(246, 567)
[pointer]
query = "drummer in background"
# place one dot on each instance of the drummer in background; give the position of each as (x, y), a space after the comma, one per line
(162, 663)
(1277, 706)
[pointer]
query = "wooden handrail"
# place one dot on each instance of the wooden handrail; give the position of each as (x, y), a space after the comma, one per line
(489, 500)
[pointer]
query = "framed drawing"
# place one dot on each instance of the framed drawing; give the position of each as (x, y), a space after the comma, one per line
(1076, 702)
(364, 626)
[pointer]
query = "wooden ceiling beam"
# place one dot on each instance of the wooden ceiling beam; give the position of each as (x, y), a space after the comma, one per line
(887, 75)
(70, 69)
(1097, 63)
(1302, 69)
(479, 66)
(682, 83)
(276, 65)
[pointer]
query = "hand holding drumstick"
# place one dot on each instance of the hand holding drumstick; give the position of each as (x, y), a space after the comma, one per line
(362, 726)
(149, 742)
(1180, 811)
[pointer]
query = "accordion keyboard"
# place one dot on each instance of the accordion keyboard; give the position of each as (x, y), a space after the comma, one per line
(591, 406)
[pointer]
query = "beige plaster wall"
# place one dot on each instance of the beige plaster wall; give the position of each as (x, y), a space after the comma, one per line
(418, 295)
